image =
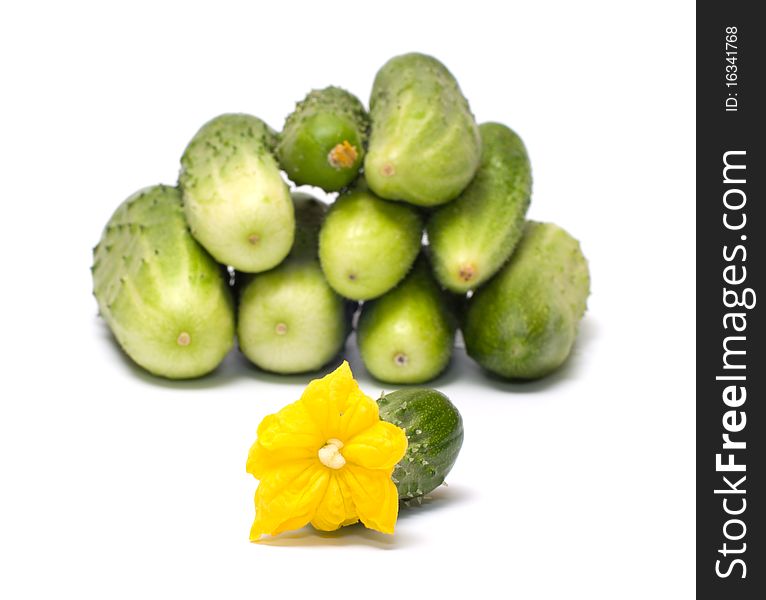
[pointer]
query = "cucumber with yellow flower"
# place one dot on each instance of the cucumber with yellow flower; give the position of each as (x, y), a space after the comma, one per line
(434, 430)
(336, 457)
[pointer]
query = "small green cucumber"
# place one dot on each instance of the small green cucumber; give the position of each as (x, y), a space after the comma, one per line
(164, 298)
(424, 143)
(367, 245)
(523, 322)
(290, 319)
(434, 431)
(236, 202)
(323, 139)
(407, 335)
(471, 237)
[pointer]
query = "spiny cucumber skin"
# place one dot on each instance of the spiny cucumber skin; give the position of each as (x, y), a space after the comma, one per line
(235, 200)
(295, 300)
(154, 283)
(407, 335)
(434, 430)
(523, 322)
(326, 119)
(367, 245)
(424, 142)
(473, 236)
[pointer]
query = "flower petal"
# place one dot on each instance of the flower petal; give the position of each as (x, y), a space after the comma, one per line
(260, 460)
(342, 384)
(374, 495)
(287, 497)
(360, 413)
(378, 447)
(336, 508)
(325, 399)
(291, 427)
(316, 402)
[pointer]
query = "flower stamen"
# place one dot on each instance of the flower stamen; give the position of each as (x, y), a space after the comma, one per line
(330, 456)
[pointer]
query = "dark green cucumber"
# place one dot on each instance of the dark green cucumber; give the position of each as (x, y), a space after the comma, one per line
(290, 319)
(323, 140)
(434, 431)
(523, 322)
(471, 237)
(407, 335)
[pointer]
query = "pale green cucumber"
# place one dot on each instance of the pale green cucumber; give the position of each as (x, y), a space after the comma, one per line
(290, 319)
(236, 202)
(367, 245)
(407, 335)
(164, 298)
(424, 143)
(471, 237)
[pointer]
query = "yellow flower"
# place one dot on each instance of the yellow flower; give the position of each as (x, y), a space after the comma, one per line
(327, 460)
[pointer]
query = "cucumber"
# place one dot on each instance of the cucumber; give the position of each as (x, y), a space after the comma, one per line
(424, 143)
(407, 335)
(165, 299)
(323, 139)
(290, 319)
(367, 245)
(471, 237)
(523, 322)
(434, 431)
(237, 205)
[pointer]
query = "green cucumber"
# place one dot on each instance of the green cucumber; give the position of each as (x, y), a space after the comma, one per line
(236, 202)
(290, 319)
(471, 237)
(367, 245)
(164, 298)
(407, 335)
(323, 139)
(523, 322)
(434, 431)
(424, 143)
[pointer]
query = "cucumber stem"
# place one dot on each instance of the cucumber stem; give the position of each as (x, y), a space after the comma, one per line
(342, 156)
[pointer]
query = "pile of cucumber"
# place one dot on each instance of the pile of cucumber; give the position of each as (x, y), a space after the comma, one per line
(428, 233)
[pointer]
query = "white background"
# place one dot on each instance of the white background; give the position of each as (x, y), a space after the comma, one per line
(119, 485)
